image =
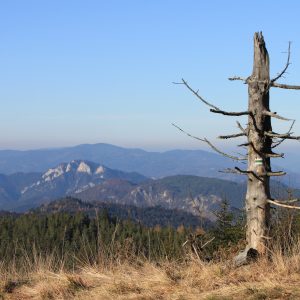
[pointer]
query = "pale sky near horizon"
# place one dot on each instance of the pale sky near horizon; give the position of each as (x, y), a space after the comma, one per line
(74, 72)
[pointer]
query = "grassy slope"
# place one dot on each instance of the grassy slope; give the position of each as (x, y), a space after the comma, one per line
(278, 279)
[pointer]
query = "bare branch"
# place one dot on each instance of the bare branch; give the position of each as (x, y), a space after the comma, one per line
(210, 144)
(237, 170)
(244, 172)
(278, 173)
(226, 113)
(282, 205)
(231, 136)
(283, 136)
(285, 86)
(244, 145)
(229, 171)
(241, 127)
(234, 171)
(197, 95)
(214, 108)
(222, 153)
(287, 201)
(274, 155)
(271, 154)
(277, 144)
(286, 65)
(238, 78)
(274, 115)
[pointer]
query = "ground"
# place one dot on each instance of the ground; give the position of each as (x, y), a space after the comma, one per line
(266, 279)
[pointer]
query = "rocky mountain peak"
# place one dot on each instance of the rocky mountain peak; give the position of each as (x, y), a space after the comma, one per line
(75, 166)
(84, 168)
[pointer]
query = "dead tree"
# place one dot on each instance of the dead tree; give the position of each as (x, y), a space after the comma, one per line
(261, 140)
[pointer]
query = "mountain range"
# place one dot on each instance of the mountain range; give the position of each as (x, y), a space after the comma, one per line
(91, 181)
(150, 164)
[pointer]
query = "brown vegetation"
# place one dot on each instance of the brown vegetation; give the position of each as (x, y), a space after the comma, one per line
(276, 277)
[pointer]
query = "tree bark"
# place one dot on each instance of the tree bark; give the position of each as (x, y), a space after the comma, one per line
(258, 187)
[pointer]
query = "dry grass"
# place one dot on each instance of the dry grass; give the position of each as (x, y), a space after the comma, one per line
(265, 279)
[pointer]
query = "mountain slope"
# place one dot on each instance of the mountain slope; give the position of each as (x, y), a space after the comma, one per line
(22, 191)
(148, 216)
(182, 192)
(12, 185)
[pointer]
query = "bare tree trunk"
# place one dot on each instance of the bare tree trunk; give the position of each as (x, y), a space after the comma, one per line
(260, 141)
(258, 188)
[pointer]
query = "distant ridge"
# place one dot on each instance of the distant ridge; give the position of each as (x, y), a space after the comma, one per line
(147, 163)
(151, 164)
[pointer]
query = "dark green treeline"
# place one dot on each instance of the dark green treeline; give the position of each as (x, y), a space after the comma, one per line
(79, 238)
(76, 239)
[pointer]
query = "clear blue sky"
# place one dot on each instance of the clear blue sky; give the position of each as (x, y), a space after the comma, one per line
(75, 72)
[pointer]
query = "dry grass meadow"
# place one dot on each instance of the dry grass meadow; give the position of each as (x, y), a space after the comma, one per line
(275, 278)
